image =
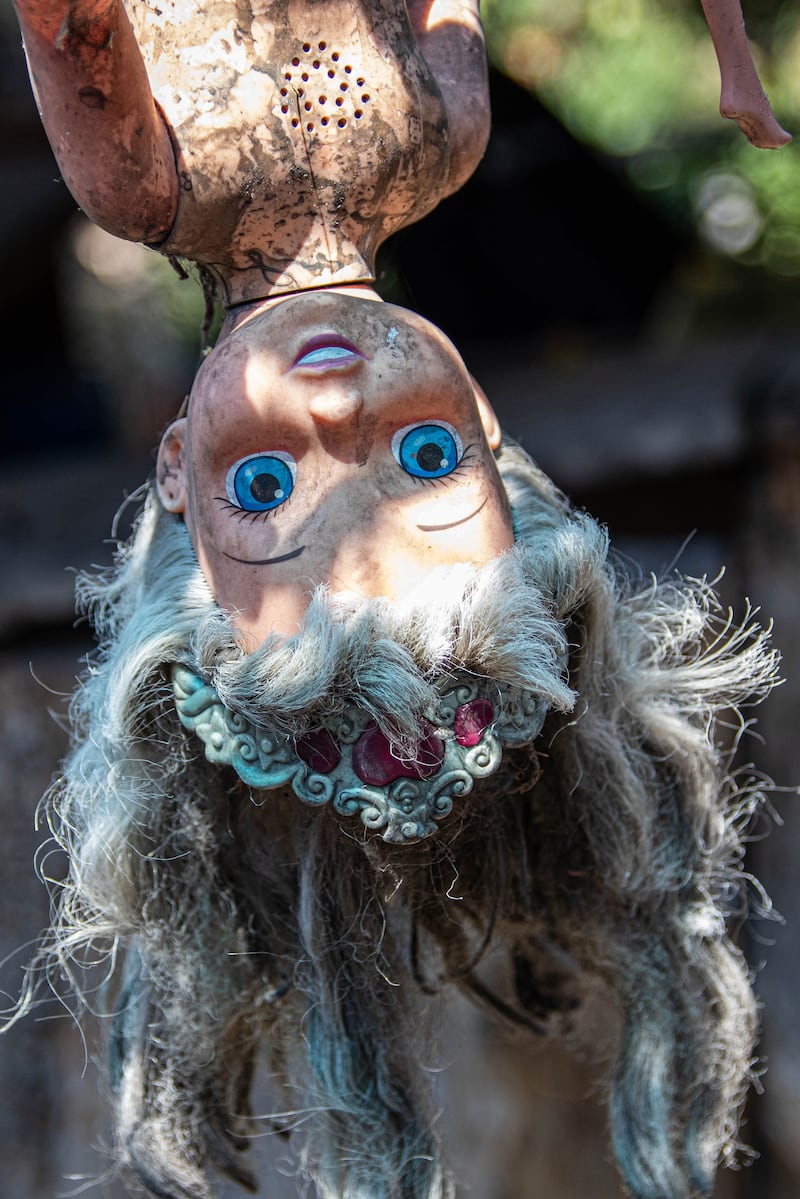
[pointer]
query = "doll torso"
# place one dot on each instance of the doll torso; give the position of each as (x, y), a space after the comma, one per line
(306, 134)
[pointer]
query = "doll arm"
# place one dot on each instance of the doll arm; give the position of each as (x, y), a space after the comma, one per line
(742, 98)
(109, 138)
(450, 36)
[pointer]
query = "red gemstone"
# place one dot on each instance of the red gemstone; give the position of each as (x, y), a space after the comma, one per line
(318, 750)
(376, 762)
(471, 719)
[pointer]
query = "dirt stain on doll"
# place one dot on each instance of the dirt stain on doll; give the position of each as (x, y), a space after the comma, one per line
(92, 97)
(365, 436)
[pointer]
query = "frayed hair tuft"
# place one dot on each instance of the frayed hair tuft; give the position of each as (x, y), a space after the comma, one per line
(608, 852)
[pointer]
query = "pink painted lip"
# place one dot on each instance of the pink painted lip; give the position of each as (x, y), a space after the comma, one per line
(326, 351)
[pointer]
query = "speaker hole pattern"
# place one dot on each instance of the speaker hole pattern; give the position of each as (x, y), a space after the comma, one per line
(306, 83)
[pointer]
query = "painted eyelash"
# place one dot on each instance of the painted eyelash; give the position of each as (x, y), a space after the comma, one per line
(464, 462)
(245, 515)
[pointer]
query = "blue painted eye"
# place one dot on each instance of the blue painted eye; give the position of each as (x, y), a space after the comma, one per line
(261, 482)
(427, 451)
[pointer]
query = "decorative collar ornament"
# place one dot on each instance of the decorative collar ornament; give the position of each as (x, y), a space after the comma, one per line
(350, 763)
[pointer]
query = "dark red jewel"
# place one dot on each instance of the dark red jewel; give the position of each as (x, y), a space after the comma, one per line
(471, 719)
(318, 750)
(376, 763)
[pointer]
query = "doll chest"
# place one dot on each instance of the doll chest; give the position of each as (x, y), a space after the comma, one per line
(305, 134)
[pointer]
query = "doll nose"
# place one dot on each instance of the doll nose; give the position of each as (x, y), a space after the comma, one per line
(335, 408)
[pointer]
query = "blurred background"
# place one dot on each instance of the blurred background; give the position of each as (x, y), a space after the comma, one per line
(623, 276)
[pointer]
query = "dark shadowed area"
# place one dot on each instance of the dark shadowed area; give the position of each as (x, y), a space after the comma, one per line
(654, 375)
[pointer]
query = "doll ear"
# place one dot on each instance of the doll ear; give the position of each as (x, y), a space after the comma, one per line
(491, 425)
(171, 467)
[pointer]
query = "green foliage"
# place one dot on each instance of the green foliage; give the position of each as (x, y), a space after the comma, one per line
(182, 301)
(638, 80)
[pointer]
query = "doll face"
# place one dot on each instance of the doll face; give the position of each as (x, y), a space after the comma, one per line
(332, 439)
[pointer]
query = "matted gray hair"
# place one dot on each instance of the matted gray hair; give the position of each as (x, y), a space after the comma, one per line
(239, 920)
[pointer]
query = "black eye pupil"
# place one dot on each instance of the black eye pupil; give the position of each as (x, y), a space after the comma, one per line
(263, 488)
(429, 456)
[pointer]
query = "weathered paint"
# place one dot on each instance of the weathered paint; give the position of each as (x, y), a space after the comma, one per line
(287, 140)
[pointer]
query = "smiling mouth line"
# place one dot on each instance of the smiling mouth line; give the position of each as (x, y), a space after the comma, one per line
(453, 523)
(267, 561)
